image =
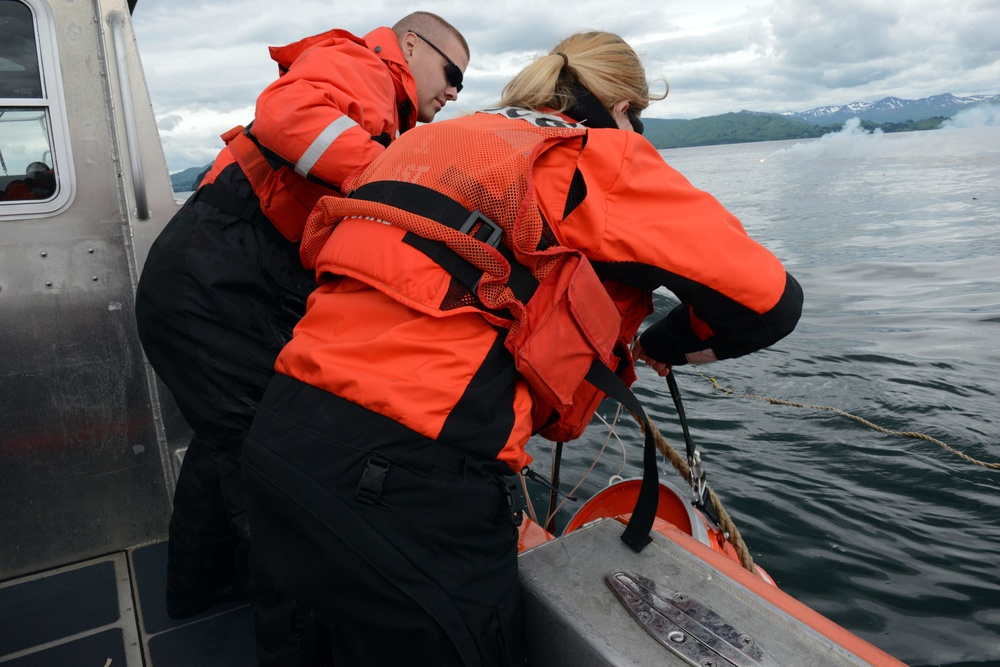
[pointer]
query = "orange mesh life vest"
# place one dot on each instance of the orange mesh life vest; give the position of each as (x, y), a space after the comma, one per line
(561, 317)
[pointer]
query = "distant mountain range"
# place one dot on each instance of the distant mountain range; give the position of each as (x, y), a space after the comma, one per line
(890, 114)
(893, 109)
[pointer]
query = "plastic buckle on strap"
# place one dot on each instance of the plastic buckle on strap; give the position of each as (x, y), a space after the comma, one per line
(495, 232)
(370, 487)
(512, 514)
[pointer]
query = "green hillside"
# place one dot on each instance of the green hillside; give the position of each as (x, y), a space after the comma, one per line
(746, 126)
(729, 128)
(188, 180)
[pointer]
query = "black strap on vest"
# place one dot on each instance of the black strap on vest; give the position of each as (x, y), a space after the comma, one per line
(428, 203)
(636, 533)
(276, 161)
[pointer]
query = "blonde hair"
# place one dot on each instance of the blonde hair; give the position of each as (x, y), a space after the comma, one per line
(601, 62)
(429, 25)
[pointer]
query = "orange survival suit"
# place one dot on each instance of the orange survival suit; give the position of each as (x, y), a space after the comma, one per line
(223, 285)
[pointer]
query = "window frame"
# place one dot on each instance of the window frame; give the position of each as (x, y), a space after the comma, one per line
(53, 104)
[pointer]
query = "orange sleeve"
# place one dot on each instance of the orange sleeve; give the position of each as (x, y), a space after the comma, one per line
(322, 115)
(643, 223)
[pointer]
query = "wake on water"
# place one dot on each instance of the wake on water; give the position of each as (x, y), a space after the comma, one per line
(853, 141)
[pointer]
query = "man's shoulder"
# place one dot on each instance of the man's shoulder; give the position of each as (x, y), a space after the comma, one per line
(332, 41)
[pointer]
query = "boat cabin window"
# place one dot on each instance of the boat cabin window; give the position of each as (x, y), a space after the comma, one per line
(26, 155)
(34, 148)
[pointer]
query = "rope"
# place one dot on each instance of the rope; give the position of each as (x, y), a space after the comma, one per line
(862, 420)
(527, 500)
(611, 432)
(725, 520)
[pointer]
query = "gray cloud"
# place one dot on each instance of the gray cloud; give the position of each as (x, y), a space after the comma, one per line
(168, 123)
(207, 62)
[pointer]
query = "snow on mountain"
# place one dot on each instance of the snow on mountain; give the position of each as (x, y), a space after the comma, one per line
(892, 109)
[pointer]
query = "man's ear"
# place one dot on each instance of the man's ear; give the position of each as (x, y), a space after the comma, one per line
(406, 45)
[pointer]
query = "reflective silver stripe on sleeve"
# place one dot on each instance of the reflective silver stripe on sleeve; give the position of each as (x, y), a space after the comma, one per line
(322, 142)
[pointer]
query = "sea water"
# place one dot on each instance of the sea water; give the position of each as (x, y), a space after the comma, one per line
(895, 239)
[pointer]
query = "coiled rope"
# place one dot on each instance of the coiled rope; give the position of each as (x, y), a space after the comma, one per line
(861, 420)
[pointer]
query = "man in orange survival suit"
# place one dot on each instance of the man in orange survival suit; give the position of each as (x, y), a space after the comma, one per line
(223, 285)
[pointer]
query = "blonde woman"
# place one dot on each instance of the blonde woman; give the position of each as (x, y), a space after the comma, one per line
(379, 466)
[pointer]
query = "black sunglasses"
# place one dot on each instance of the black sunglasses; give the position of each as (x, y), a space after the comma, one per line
(451, 71)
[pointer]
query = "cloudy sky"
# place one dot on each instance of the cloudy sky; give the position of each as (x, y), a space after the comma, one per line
(206, 61)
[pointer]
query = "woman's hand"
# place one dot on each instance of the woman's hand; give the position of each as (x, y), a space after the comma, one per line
(662, 369)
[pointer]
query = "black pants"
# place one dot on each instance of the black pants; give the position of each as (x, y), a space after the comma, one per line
(417, 564)
(218, 297)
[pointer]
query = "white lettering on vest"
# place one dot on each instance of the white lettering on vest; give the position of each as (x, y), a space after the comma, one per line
(536, 117)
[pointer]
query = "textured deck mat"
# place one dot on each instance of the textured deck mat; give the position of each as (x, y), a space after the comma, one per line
(103, 648)
(226, 640)
(49, 608)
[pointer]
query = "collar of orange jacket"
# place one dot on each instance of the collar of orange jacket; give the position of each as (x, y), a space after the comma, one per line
(382, 42)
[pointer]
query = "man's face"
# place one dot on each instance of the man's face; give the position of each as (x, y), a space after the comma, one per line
(430, 70)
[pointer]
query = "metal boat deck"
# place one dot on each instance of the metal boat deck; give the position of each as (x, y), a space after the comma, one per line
(111, 612)
(573, 618)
